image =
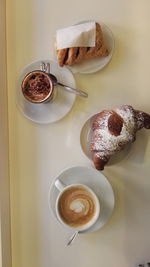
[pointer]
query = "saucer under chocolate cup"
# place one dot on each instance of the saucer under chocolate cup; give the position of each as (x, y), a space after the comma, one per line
(76, 205)
(50, 111)
(37, 87)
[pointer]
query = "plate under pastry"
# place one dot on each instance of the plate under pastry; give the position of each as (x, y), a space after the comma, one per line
(85, 140)
(95, 64)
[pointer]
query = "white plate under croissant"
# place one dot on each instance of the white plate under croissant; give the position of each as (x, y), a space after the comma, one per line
(111, 131)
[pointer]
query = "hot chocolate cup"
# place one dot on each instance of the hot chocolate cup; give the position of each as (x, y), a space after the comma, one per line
(37, 87)
(77, 206)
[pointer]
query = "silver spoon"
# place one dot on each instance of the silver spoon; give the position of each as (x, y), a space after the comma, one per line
(68, 88)
(71, 239)
(46, 67)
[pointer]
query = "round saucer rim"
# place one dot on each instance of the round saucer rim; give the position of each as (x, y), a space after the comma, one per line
(112, 48)
(81, 128)
(89, 118)
(89, 230)
(17, 97)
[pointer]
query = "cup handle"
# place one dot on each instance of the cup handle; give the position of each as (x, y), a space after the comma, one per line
(59, 185)
(45, 67)
(42, 66)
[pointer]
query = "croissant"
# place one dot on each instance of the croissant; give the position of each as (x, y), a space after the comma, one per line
(113, 130)
(69, 56)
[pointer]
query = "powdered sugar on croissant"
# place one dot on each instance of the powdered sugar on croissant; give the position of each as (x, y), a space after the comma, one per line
(113, 130)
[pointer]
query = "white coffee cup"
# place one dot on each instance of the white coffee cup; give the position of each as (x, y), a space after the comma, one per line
(77, 205)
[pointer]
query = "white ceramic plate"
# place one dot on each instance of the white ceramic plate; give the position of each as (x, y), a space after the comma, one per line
(85, 140)
(95, 64)
(51, 111)
(96, 181)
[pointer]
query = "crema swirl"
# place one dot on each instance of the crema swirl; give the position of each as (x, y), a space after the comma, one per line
(76, 206)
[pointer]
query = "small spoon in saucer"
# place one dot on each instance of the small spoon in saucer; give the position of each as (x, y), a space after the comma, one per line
(68, 88)
(46, 67)
(72, 238)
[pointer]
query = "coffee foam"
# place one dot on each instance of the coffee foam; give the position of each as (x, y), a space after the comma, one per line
(77, 206)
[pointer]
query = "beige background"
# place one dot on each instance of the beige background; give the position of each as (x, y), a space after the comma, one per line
(39, 152)
(5, 244)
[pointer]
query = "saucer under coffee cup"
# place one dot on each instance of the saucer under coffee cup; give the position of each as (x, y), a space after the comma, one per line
(77, 206)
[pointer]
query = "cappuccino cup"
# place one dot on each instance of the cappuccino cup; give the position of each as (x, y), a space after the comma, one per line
(77, 206)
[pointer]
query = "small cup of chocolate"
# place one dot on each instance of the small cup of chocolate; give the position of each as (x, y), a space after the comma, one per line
(37, 87)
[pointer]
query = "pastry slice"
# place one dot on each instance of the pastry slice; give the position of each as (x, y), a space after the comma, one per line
(72, 55)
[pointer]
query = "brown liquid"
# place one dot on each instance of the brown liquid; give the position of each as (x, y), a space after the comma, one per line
(36, 86)
(76, 206)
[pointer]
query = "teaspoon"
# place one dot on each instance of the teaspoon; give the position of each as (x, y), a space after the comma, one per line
(46, 67)
(72, 238)
(68, 88)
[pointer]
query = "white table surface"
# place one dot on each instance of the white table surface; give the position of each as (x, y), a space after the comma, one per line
(39, 152)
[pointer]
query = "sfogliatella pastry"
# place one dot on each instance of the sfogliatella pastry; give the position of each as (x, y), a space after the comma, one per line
(72, 55)
(113, 130)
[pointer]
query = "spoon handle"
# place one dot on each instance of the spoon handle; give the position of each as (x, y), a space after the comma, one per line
(72, 90)
(72, 238)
